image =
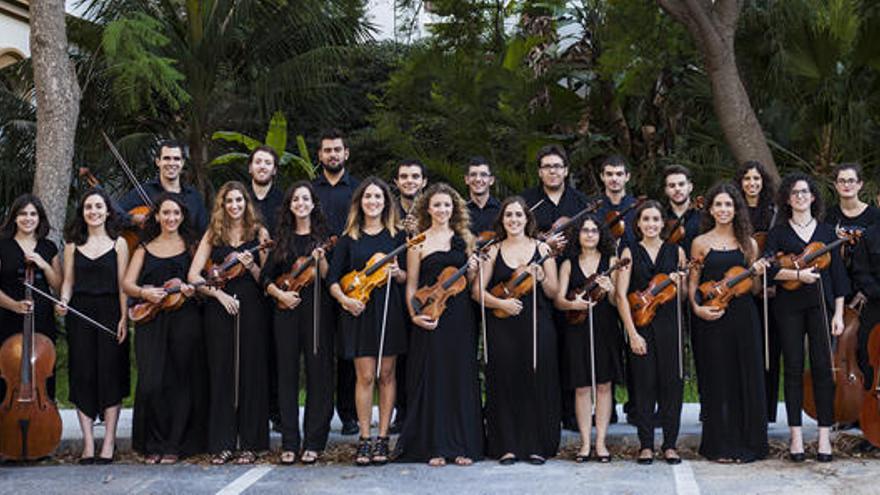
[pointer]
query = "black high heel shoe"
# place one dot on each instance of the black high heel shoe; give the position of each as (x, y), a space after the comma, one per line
(796, 457)
(380, 452)
(820, 457)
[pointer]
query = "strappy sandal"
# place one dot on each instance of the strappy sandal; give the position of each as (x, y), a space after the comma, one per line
(463, 461)
(288, 457)
(222, 457)
(151, 459)
(380, 452)
(362, 455)
(169, 459)
(309, 457)
(246, 457)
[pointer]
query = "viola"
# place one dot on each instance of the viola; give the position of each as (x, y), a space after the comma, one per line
(590, 290)
(132, 233)
(300, 276)
(614, 220)
(359, 284)
(231, 268)
(173, 300)
(30, 426)
(562, 223)
(815, 255)
(675, 228)
(645, 303)
(849, 382)
(737, 281)
(869, 416)
(519, 284)
(430, 300)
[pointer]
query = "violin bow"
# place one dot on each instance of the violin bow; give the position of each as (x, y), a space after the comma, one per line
(827, 326)
(384, 324)
(128, 172)
(237, 346)
(535, 318)
(766, 324)
(483, 313)
(678, 318)
(317, 300)
(69, 308)
(592, 353)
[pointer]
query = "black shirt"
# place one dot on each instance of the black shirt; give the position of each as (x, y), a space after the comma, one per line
(866, 263)
(483, 219)
(629, 238)
(836, 218)
(268, 206)
(570, 204)
(335, 200)
(195, 204)
(691, 223)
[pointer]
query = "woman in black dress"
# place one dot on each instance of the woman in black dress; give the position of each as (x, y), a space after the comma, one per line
(23, 240)
(655, 348)
(805, 310)
(236, 330)
(300, 231)
(371, 228)
(593, 254)
(735, 422)
(170, 404)
(522, 398)
(95, 258)
(444, 418)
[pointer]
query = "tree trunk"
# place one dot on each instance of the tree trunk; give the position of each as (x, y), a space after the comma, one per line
(57, 95)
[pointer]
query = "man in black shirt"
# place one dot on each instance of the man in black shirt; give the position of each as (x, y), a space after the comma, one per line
(678, 186)
(170, 161)
(410, 181)
(262, 167)
(335, 188)
(614, 174)
(483, 207)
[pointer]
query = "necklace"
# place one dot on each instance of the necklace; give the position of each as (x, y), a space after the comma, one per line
(803, 226)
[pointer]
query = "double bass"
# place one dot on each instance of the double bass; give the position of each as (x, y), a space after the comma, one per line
(869, 416)
(30, 426)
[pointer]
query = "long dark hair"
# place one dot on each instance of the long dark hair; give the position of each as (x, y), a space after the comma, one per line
(285, 229)
(742, 226)
(767, 194)
(8, 229)
(152, 229)
(606, 242)
(651, 203)
(77, 231)
(531, 224)
(817, 208)
(355, 221)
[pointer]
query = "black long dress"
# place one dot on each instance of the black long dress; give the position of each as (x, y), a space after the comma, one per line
(734, 404)
(606, 335)
(444, 417)
(294, 335)
(170, 406)
(522, 403)
(359, 336)
(98, 366)
(11, 275)
(246, 427)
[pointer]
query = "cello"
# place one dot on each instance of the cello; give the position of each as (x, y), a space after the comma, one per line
(30, 426)
(869, 416)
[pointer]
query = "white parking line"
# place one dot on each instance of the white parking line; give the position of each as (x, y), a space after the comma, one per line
(244, 481)
(685, 483)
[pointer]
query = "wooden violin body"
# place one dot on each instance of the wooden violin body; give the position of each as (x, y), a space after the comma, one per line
(30, 426)
(431, 299)
(230, 268)
(590, 290)
(519, 284)
(815, 255)
(675, 228)
(614, 220)
(737, 281)
(760, 239)
(644, 304)
(359, 284)
(145, 311)
(869, 416)
(131, 233)
(300, 276)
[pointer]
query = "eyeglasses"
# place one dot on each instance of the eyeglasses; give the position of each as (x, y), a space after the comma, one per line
(590, 230)
(479, 175)
(800, 192)
(552, 166)
(847, 182)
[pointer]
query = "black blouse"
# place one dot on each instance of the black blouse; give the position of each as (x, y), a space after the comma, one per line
(351, 254)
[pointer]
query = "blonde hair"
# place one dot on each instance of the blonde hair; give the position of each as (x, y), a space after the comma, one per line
(355, 221)
(221, 224)
(460, 220)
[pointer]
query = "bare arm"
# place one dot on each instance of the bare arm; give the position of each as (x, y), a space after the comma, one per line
(67, 284)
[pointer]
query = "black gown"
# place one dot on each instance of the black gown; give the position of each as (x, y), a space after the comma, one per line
(734, 404)
(246, 427)
(170, 406)
(359, 336)
(444, 417)
(11, 275)
(606, 335)
(98, 366)
(522, 404)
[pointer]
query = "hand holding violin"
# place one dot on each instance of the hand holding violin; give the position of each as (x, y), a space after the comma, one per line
(808, 276)
(425, 322)
(153, 294)
(581, 303)
(352, 305)
(557, 242)
(288, 299)
(246, 259)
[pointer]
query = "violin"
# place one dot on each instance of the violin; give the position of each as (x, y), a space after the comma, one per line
(737, 281)
(562, 223)
(132, 233)
(299, 275)
(173, 300)
(614, 220)
(644, 304)
(519, 284)
(231, 268)
(485, 239)
(675, 228)
(358, 284)
(815, 255)
(430, 300)
(869, 416)
(30, 426)
(590, 290)
(760, 239)
(849, 382)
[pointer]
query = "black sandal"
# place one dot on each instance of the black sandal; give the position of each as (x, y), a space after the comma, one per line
(222, 457)
(380, 451)
(362, 455)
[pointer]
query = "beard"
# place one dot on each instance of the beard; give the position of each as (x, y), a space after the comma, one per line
(263, 183)
(679, 203)
(333, 169)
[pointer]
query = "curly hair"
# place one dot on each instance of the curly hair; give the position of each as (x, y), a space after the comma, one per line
(531, 229)
(460, 219)
(152, 229)
(77, 231)
(221, 224)
(355, 221)
(285, 229)
(742, 226)
(817, 208)
(651, 203)
(766, 196)
(606, 242)
(9, 227)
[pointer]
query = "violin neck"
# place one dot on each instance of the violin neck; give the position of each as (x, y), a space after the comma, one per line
(27, 343)
(455, 276)
(819, 252)
(385, 260)
(303, 267)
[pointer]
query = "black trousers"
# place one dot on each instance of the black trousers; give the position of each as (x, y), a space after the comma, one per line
(656, 381)
(771, 374)
(793, 324)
